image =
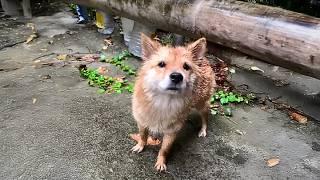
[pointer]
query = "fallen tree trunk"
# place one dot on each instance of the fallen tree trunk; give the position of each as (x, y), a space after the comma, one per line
(274, 35)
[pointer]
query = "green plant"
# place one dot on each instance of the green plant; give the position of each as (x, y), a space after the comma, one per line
(105, 84)
(73, 7)
(117, 60)
(167, 39)
(221, 99)
(90, 11)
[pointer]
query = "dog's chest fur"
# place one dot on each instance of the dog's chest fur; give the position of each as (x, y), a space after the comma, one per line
(164, 113)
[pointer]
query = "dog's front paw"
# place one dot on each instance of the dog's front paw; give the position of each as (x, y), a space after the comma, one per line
(161, 164)
(202, 133)
(137, 148)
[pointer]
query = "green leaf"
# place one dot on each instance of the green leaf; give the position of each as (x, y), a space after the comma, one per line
(232, 98)
(240, 99)
(91, 83)
(103, 58)
(212, 99)
(224, 101)
(101, 91)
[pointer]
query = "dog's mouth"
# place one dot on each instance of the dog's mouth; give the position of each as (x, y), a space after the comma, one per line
(173, 88)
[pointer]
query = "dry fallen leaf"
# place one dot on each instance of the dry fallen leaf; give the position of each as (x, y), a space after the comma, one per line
(156, 38)
(62, 57)
(232, 71)
(102, 70)
(150, 141)
(33, 27)
(240, 132)
(105, 47)
(120, 79)
(273, 162)
(30, 38)
(255, 68)
(89, 58)
(108, 42)
(34, 33)
(298, 117)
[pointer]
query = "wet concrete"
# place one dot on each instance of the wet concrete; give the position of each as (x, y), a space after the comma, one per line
(72, 132)
(301, 92)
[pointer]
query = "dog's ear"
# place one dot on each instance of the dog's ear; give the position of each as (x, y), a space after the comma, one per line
(198, 49)
(148, 47)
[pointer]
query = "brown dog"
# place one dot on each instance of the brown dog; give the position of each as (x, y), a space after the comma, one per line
(170, 83)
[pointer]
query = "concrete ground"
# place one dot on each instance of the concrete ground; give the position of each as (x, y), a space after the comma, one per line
(54, 126)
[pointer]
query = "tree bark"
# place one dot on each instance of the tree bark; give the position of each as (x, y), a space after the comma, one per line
(274, 35)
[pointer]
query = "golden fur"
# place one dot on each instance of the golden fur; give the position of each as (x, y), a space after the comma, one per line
(159, 110)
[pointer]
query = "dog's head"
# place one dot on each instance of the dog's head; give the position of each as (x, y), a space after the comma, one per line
(169, 70)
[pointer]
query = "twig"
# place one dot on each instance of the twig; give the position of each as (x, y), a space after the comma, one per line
(11, 45)
(43, 56)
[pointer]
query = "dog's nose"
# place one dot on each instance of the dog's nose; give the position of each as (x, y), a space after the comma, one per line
(176, 77)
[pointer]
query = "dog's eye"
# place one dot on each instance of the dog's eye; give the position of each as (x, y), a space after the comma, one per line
(162, 64)
(186, 66)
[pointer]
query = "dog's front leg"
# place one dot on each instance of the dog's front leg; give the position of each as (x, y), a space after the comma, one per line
(143, 132)
(167, 142)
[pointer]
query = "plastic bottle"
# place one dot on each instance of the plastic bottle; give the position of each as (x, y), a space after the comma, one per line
(133, 37)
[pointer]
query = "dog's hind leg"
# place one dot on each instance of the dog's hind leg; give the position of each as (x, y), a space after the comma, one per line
(143, 132)
(204, 113)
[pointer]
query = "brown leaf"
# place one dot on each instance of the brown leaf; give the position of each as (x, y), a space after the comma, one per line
(108, 42)
(151, 141)
(273, 162)
(33, 27)
(30, 38)
(255, 68)
(102, 70)
(298, 117)
(105, 47)
(88, 58)
(62, 57)
(156, 39)
(121, 78)
(240, 132)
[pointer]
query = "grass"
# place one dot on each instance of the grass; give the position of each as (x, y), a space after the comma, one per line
(108, 84)
(117, 60)
(221, 101)
(105, 83)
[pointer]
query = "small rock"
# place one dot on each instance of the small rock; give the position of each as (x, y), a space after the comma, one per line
(47, 76)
